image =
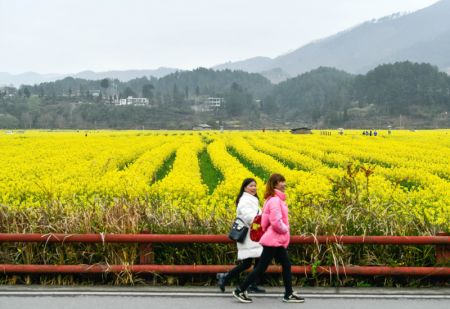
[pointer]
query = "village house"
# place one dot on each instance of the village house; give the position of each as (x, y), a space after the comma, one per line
(133, 101)
(202, 127)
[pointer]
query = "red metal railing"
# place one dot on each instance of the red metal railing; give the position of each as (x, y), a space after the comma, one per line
(200, 238)
(442, 243)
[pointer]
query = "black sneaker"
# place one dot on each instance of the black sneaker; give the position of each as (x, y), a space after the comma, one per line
(241, 296)
(293, 298)
(221, 281)
(256, 289)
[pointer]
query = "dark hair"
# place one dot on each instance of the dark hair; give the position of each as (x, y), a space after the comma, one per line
(245, 183)
(274, 179)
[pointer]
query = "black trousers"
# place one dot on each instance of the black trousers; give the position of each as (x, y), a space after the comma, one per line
(281, 256)
(241, 267)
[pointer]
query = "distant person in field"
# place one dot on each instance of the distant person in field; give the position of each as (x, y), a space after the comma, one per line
(247, 207)
(275, 240)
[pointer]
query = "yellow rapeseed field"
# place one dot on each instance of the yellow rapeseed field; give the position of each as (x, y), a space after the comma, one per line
(386, 184)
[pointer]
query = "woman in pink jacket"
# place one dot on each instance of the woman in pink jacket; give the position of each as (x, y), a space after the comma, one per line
(275, 240)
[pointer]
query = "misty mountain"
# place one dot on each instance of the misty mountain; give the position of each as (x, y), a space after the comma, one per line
(27, 78)
(125, 75)
(422, 36)
(31, 78)
(253, 65)
(434, 51)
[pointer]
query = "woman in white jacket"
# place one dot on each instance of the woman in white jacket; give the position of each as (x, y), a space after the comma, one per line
(247, 208)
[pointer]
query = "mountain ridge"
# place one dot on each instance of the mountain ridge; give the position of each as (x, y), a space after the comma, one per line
(31, 78)
(364, 46)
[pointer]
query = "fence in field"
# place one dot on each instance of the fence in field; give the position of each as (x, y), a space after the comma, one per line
(145, 241)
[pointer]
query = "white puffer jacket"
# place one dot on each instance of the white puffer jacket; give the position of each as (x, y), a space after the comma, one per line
(247, 209)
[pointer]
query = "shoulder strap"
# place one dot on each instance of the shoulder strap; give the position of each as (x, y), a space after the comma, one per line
(239, 219)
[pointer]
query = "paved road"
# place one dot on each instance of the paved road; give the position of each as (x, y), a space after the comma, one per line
(199, 298)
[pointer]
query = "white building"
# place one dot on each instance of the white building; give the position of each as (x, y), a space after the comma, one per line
(134, 101)
(95, 93)
(212, 104)
(215, 102)
(202, 126)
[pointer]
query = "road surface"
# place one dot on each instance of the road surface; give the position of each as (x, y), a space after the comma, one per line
(36, 297)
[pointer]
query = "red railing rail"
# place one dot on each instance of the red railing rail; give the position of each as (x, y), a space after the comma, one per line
(211, 269)
(201, 238)
(442, 243)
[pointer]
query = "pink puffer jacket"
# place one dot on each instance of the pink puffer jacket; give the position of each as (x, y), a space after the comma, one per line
(275, 222)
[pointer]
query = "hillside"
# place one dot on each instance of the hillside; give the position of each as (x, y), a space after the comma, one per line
(416, 94)
(422, 36)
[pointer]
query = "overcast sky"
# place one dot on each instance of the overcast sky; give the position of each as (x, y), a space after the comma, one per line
(68, 36)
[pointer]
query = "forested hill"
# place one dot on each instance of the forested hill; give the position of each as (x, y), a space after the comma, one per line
(331, 97)
(416, 94)
(184, 84)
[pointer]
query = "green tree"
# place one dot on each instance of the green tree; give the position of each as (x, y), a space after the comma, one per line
(237, 100)
(177, 96)
(147, 91)
(26, 92)
(8, 121)
(104, 84)
(128, 92)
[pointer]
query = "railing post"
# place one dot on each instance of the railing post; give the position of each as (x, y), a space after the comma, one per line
(146, 254)
(442, 251)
